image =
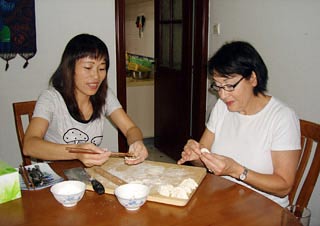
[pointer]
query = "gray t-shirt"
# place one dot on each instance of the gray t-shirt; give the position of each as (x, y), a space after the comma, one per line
(63, 128)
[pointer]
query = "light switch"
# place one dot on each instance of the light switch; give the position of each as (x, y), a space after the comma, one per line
(216, 29)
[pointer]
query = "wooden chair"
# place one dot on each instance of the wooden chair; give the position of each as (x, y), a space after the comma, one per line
(310, 137)
(21, 109)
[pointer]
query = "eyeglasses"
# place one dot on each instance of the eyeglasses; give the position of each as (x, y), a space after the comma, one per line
(227, 87)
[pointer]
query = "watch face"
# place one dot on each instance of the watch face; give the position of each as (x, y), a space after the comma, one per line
(243, 175)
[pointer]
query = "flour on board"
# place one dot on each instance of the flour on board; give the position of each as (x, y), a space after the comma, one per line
(165, 181)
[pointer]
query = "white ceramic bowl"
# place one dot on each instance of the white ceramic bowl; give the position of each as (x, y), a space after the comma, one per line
(69, 192)
(132, 196)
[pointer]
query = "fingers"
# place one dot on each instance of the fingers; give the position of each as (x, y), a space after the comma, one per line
(217, 164)
(190, 152)
(133, 161)
(185, 159)
(193, 146)
(139, 151)
(181, 161)
(212, 163)
(187, 156)
(94, 159)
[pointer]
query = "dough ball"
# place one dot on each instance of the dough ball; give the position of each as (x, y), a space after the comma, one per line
(189, 183)
(204, 150)
(165, 190)
(179, 193)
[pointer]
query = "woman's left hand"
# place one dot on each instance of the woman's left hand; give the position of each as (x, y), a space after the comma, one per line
(221, 165)
(138, 150)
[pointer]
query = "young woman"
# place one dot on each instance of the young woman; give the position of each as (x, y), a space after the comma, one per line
(71, 113)
(253, 138)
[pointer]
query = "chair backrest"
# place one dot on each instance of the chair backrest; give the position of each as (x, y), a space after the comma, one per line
(21, 109)
(310, 138)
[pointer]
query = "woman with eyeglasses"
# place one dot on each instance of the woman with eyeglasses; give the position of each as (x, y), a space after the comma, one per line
(253, 138)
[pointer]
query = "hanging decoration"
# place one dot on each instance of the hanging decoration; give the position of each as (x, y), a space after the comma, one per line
(140, 21)
(17, 30)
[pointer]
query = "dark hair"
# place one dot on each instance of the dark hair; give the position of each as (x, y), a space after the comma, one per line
(240, 58)
(83, 45)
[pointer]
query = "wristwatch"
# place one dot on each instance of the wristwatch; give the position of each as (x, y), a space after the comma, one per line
(243, 175)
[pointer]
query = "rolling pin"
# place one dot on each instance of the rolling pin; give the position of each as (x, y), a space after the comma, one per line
(108, 176)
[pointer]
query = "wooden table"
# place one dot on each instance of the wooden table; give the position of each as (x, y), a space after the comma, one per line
(216, 202)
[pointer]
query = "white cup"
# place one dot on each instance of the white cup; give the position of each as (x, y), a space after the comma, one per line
(292, 212)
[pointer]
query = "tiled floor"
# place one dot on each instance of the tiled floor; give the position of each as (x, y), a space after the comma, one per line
(155, 154)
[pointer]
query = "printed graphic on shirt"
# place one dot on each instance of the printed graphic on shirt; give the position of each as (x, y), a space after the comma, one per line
(75, 136)
(97, 140)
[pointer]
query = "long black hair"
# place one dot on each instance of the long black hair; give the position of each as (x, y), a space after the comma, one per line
(83, 45)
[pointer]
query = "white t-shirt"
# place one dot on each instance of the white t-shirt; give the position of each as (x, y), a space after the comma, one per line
(63, 128)
(249, 139)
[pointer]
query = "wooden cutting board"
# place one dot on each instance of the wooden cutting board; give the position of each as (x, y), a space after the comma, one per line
(151, 173)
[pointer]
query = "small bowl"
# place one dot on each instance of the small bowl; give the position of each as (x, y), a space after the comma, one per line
(132, 196)
(68, 193)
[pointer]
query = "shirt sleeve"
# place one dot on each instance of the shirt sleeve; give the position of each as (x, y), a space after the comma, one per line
(286, 133)
(112, 103)
(45, 106)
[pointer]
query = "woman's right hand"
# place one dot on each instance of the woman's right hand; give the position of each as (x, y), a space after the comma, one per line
(191, 152)
(90, 160)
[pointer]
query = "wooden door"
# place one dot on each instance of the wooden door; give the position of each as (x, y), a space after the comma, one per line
(174, 54)
(173, 39)
(180, 84)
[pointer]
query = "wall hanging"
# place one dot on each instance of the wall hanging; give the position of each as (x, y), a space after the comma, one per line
(17, 30)
(140, 21)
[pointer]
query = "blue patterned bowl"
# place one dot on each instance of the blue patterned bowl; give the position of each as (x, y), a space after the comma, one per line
(132, 196)
(68, 193)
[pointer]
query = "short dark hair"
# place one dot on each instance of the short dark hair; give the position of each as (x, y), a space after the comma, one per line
(241, 58)
(82, 45)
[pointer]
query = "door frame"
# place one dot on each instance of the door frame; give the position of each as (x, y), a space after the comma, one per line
(121, 65)
(200, 60)
(199, 79)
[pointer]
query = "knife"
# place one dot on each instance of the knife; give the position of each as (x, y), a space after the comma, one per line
(80, 174)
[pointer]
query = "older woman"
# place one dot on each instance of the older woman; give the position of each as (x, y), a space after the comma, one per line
(254, 138)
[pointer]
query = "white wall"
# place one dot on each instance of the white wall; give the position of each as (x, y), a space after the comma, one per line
(140, 98)
(56, 23)
(143, 45)
(287, 35)
(140, 107)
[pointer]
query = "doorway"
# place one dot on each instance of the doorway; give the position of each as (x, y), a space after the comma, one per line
(139, 38)
(197, 74)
